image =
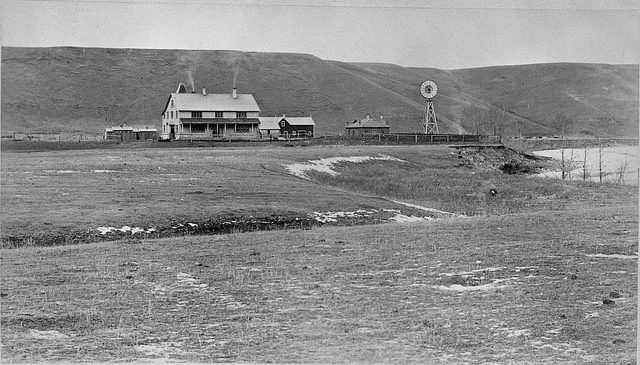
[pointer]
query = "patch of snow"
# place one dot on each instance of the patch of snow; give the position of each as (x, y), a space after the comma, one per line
(463, 288)
(46, 335)
(409, 218)
(192, 224)
(468, 273)
(614, 256)
(62, 171)
(518, 333)
(160, 349)
(520, 268)
(104, 171)
(327, 217)
(427, 209)
(325, 165)
(124, 229)
(592, 315)
(613, 159)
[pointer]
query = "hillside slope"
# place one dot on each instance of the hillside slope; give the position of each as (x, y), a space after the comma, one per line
(71, 89)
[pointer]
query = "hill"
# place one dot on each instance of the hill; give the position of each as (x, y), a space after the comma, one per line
(69, 89)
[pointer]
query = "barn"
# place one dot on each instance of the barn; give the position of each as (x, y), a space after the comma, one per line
(368, 126)
(288, 127)
(192, 116)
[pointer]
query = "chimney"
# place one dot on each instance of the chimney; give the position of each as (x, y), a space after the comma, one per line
(204, 91)
(284, 115)
(381, 116)
(235, 93)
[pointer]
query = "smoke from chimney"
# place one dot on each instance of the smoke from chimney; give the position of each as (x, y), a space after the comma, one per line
(235, 92)
(193, 85)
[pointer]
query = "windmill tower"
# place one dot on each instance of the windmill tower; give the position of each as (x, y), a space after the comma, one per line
(429, 89)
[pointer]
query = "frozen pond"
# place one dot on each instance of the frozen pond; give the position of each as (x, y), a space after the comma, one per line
(614, 161)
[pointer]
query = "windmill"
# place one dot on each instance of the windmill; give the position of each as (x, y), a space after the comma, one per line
(429, 89)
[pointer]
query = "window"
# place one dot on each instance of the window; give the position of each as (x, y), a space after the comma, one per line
(218, 114)
(172, 114)
(198, 128)
(172, 103)
(196, 114)
(241, 114)
(242, 128)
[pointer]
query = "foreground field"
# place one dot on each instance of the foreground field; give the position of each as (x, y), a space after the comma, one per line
(543, 271)
(456, 290)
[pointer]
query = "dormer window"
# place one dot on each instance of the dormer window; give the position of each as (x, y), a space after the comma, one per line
(196, 114)
(241, 115)
(218, 114)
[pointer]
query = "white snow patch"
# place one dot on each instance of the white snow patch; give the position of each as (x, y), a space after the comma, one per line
(62, 171)
(104, 171)
(326, 165)
(614, 256)
(46, 335)
(486, 269)
(462, 288)
(326, 217)
(124, 229)
(592, 315)
(518, 333)
(409, 218)
(160, 349)
(427, 209)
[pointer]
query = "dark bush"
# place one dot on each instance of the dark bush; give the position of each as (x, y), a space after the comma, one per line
(515, 168)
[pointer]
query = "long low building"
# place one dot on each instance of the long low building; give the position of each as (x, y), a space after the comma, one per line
(129, 134)
(368, 126)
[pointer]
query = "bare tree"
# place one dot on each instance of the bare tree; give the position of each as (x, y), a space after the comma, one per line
(564, 124)
(620, 172)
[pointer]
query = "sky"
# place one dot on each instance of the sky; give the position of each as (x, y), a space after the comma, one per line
(441, 34)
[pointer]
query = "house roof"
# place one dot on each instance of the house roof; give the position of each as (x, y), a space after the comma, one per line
(299, 120)
(213, 102)
(369, 123)
(273, 122)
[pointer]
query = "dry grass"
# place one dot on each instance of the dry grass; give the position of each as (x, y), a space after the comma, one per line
(516, 287)
(367, 294)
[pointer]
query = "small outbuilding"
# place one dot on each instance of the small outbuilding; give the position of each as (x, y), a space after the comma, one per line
(368, 126)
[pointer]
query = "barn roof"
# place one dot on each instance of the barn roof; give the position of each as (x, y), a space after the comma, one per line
(369, 123)
(213, 102)
(299, 120)
(273, 122)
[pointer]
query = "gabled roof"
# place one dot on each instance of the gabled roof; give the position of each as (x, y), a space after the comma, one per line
(213, 102)
(274, 122)
(299, 120)
(269, 122)
(369, 123)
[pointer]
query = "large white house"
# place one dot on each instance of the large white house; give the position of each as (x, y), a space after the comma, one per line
(192, 116)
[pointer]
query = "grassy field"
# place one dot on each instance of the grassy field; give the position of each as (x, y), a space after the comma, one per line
(522, 277)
